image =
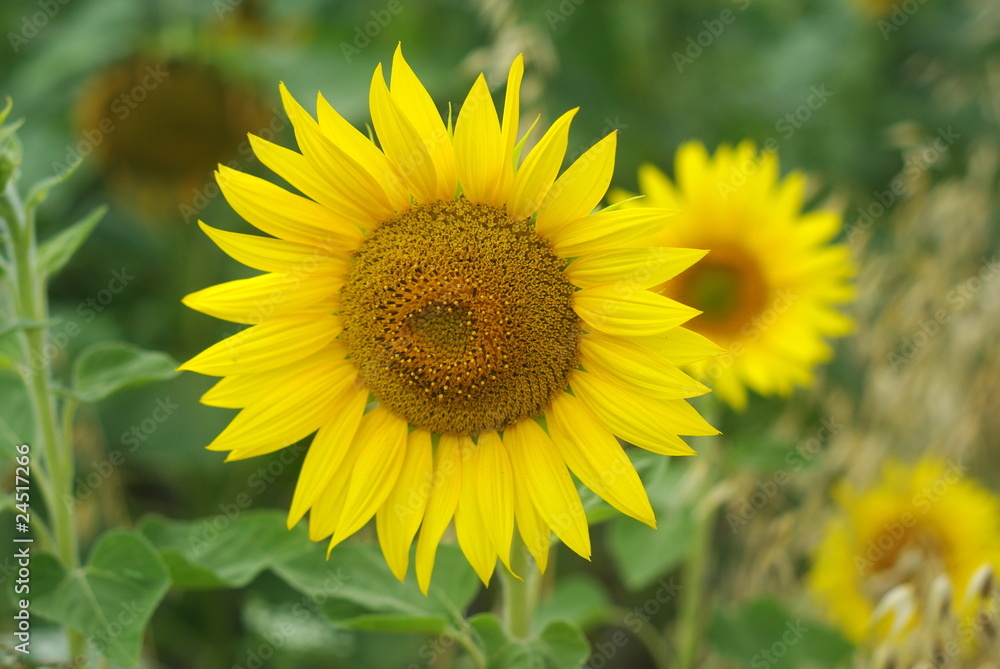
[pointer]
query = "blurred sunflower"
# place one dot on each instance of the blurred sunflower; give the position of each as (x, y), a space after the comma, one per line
(431, 280)
(156, 149)
(888, 549)
(768, 286)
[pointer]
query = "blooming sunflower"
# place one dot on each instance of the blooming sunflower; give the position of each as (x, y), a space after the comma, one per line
(768, 286)
(456, 325)
(919, 525)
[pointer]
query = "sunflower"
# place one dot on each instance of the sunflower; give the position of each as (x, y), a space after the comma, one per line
(155, 148)
(768, 287)
(887, 549)
(455, 325)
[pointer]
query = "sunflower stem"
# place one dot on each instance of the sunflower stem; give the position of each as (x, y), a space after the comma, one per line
(691, 617)
(55, 475)
(520, 595)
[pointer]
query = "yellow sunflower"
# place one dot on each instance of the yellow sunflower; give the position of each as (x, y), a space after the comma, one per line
(881, 555)
(456, 325)
(768, 286)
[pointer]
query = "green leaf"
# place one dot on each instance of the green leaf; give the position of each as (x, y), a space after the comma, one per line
(560, 645)
(354, 588)
(763, 632)
(55, 252)
(356, 582)
(578, 598)
(643, 554)
(41, 190)
(103, 369)
(110, 599)
(224, 551)
(16, 423)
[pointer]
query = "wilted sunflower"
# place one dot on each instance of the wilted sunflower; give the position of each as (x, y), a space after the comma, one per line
(768, 286)
(922, 540)
(421, 311)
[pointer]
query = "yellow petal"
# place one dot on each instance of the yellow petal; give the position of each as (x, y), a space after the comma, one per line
(537, 173)
(278, 255)
(274, 210)
(638, 268)
(447, 485)
(595, 456)
(327, 451)
(401, 142)
(399, 517)
(274, 343)
(617, 228)
(242, 390)
(295, 409)
(534, 532)
(649, 423)
(680, 346)
(410, 94)
(580, 188)
(471, 525)
(262, 297)
(509, 128)
(479, 156)
(626, 311)
(357, 195)
(381, 440)
(638, 368)
(538, 463)
(495, 489)
(326, 508)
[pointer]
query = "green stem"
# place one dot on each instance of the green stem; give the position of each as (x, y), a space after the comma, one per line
(520, 596)
(31, 305)
(691, 617)
(693, 593)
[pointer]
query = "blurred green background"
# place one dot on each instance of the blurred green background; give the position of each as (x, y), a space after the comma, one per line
(153, 94)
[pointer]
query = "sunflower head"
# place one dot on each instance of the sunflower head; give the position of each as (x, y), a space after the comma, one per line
(155, 147)
(455, 325)
(770, 283)
(914, 549)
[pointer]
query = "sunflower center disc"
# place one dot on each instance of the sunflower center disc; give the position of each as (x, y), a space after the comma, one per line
(459, 318)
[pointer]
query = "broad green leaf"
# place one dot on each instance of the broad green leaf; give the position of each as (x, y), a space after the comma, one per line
(224, 551)
(642, 554)
(356, 582)
(560, 645)
(55, 252)
(764, 633)
(578, 598)
(110, 599)
(764, 455)
(105, 368)
(354, 587)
